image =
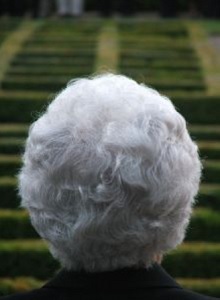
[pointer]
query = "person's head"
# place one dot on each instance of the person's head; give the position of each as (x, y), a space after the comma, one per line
(110, 174)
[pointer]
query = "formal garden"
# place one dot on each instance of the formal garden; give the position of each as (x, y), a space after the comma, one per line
(177, 57)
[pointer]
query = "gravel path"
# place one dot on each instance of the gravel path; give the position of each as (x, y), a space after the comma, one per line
(215, 41)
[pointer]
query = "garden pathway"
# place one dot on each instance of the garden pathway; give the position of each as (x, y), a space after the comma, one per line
(13, 44)
(206, 48)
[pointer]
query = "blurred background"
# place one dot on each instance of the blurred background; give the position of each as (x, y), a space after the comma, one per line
(170, 45)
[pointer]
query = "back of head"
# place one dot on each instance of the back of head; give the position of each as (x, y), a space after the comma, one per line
(109, 175)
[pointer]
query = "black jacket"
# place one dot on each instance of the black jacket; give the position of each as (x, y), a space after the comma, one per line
(126, 284)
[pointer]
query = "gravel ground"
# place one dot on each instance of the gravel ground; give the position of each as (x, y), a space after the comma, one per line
(215, 41)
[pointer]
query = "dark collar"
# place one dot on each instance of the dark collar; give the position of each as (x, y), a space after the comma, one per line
(127, 278)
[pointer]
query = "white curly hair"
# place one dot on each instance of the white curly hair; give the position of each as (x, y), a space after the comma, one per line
(109, 174)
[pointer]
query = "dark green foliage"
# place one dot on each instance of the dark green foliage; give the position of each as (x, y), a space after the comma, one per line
(11, 130)
(15, 225)
(8, 190)
(18, 285)
(205, 132)
(56, 71)
(34, 84)
(9, 165)
(196, 260)
(210, 150)
(204, 226)
(198, 109)
(6, 27)
(209, 287)
(28, 110)
(11, 145)
(211, 172)
(26, 258)
(209, 196)
(155, 54)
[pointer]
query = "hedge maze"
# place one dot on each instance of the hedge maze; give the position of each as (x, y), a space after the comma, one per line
(158, 53)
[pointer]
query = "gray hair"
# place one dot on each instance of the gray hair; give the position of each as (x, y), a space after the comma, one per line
(109, 174)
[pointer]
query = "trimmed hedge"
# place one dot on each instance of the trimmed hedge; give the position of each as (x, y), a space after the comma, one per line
(163, 64)
(173, 28)
(29, 110)
(18, 285)
(177, 84)
(6, 27)
(199, 109)
(16, 225)
(9, 165)
(163, 74)
(42, 56)
(8, 188)
(54, 83)
(194, 260)
(150, 43)
(43, 62)
(31, 83)
(75, 43)
(209, 287)
(209, 196)
(52, 71)
(211, 172)
(13, 130)
(11, 145)
(159, 54)
(205, 132)
(204, 257)
(209, 149)
(204, 226)
(26, 258)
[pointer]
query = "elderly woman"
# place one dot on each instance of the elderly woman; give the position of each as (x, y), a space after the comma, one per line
(109, 179)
